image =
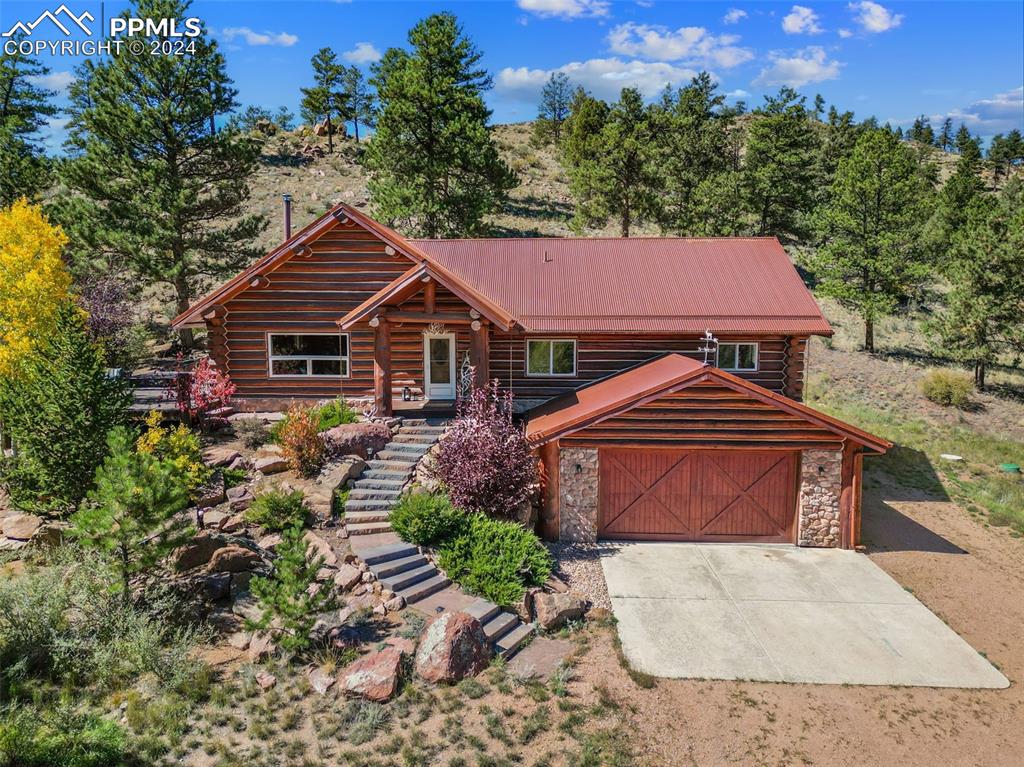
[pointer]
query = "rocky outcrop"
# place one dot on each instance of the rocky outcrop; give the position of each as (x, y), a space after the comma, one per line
(453, 647)
(21, 527)
(220, 456)
(197, 552)
(271, 464)
(234, 559)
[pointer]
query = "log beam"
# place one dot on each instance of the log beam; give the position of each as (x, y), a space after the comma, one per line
(382, 368)
(449, 318)
(430, 297)
(849, 510)
(548, 522)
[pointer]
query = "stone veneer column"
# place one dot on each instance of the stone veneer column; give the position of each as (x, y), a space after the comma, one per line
(820, 486)
(577, 495)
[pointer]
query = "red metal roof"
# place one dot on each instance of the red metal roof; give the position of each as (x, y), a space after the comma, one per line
(678, 285)
(673, 372)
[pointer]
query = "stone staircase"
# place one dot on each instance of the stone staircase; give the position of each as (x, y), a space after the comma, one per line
(375, 493)
(401, 568)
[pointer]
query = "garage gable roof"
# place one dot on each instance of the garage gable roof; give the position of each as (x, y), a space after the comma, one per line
(671, 373)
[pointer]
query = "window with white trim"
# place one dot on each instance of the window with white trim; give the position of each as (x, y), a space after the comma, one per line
(308, 355)
(551, 357)
(738, 357)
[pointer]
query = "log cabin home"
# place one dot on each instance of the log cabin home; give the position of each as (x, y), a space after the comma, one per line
(646, 429)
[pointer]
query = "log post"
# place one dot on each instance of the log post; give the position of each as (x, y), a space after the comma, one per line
(848, 496)
(479, 352)
(382, 366)
(548, 523)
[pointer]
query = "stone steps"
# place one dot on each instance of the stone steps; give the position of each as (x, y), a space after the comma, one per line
(388, 553)
(396, 566)
(407, 578)
(508, 644)
(375, 493)
(505, 630)
(424, 589)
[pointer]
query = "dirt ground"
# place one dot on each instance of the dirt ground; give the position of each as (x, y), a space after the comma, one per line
(971, 576)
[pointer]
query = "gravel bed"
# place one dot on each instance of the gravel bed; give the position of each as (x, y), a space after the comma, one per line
(579, 565)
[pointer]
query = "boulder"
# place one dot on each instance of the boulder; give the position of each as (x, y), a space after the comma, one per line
(271, 464)
(402, 644)
(321, 548)
(247, 607)
(375, 676)
(197, 552)
(214, 519)
(361, 439)
(212, 493)
(241, 462)
(21, 527)
(233, 524)
(346, 577)
(216, 586)
(261, 646)
(240, 497)
(240, 640)
(337, 474)
(270, 542)
(320, 680)
(556, 584)
(555, 610)
(234, 559)
(220, 456)
(266, 680)
(395, 603)
(452, 647)
(50, 533)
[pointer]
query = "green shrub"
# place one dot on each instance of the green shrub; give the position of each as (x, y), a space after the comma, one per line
(59, 411)
(65, 620)
(277, 510)
(427, 519)
(944, 387)
(179, 445)
(30, 738)
(252, 431)
(495, 559)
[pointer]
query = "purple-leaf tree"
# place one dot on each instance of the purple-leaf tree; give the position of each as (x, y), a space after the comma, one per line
(110, 305)
(484, 460)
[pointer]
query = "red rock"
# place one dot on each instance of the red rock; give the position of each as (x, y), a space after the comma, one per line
(452, 647)
(320, 680)
(362, 439)
(346, 577)
(375, 676)
(234, 559)
(321, 548)
(271, 464)
(402, 644)
(266, 680)
(196, 552)
(220, 456)
(555, 610)
(261, 646)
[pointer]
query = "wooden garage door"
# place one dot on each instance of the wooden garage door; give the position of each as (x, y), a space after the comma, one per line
(697, 495)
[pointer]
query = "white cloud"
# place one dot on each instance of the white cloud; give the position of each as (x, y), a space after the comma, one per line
(801, 20)
(873, 17)
(363, 53)
(733, 16)
(998, 114)
(604, 78)
(283, 39)
(565, 9)
(690, 44)
(845, 33)
(739, 93)
(645, 3)
(810, 65)
(55, 81)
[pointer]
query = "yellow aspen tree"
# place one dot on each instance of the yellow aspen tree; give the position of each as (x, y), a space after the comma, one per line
(33, 280)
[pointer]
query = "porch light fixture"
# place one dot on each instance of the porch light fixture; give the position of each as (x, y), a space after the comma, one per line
(375, 322)
(406, 394)
(475, 325)
(389, 250)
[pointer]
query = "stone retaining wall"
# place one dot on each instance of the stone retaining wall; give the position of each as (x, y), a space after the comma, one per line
(577, 485)
(820, 487)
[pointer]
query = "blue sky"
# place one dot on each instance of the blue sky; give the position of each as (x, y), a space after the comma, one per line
(894, 60)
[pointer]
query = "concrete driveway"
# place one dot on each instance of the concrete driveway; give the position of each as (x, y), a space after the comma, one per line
(780, 614)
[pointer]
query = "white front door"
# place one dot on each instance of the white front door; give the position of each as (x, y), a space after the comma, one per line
(439, 365)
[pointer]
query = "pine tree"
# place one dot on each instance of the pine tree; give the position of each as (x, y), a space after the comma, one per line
(871, 258)
(694, 135)
(325, 100)
(944, 140)
(290, 597)
(922, 132)
(616, 176)
(24, 109)
(1005, 152)
(158, 193)
(983, 316)
(360, 101)
(59, 409)
(779, 167)
(133, 513)
(967, 144)
(961, 189)
(839, 136)
(434, 167)
(555, 100)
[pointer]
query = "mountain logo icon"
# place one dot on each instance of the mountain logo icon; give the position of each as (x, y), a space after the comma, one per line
(70, 20)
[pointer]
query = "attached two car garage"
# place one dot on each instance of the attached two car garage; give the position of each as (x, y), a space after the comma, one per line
(677, 450)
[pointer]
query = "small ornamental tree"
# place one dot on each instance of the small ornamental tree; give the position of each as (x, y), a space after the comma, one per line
(201, 391)
(133, 512)
(110, 305)
(301, 441)
(484, 460)
(289, 597)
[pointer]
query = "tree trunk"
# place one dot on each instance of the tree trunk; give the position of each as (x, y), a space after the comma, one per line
(355, 126)
(869, 335)
(184, 298)
(330, 135)
(624, 225)
(124, 573)
(979, 375)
